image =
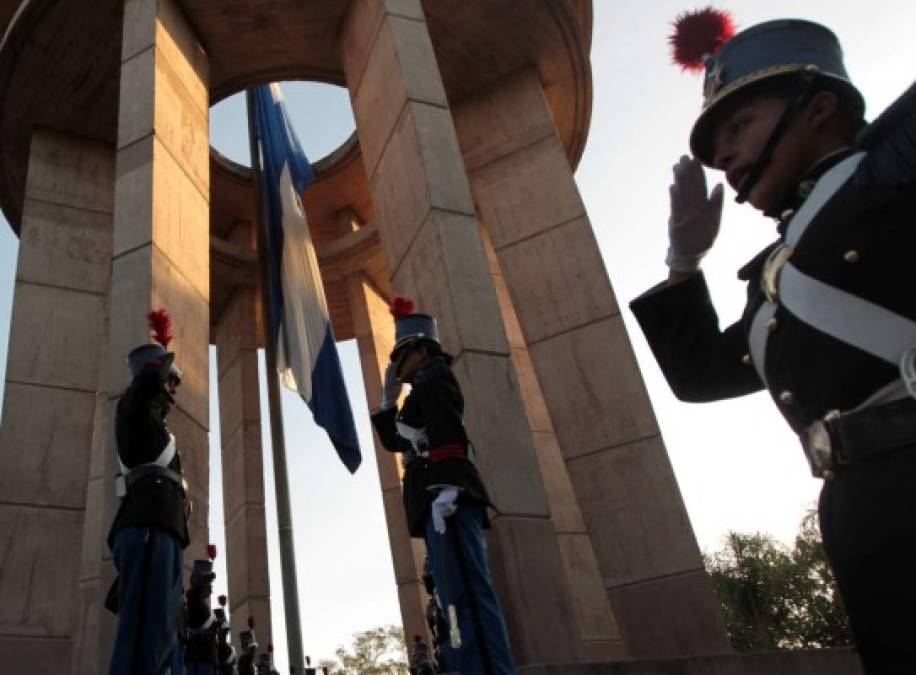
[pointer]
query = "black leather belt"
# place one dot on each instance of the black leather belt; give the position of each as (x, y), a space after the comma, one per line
(842, 439)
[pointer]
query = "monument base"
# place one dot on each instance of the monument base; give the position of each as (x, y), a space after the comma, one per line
(840, 661)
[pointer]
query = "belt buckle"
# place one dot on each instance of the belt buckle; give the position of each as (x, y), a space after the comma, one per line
(819, 448)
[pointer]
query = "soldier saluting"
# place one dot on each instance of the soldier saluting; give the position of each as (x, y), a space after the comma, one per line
(442, 484)
(829, 328)
(150, 529)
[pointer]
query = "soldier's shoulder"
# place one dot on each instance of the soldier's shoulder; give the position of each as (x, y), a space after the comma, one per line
(890, 144)
(435, 373)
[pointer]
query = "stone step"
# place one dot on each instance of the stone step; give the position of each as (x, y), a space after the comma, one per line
(839, 661)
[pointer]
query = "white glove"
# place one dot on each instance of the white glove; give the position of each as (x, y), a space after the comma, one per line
(391, 388)
(694, 221)
(443, 506)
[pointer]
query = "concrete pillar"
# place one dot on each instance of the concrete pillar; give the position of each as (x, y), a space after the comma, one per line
(51, 383)
(524, 189)
(429, 234)
(161, 251)
(597, 627)
(374, 330)
(243, 463)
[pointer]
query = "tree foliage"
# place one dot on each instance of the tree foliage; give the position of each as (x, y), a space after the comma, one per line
(775, 597)
(378, 651)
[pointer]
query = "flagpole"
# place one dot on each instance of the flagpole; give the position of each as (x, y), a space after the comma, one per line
(281, 478)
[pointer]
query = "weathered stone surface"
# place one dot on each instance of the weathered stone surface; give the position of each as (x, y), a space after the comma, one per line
(178, 45)
(564, 509)
(420, 169)
(604, 651)
(554, 295)
(70, 171)
(531, 590)
(412, 598)
(594, 403)
(243, 470)
(651, 629)
(504, 449)
(236, 330)
(95, 529)
(447, 275)
(503, 118)
(245, 545)
(50, 327)
(407, 567)
(38, 573)
(520, 195)
(624, 494)
(43, 655)
(401, 66)
(45, 447)
(158, 203)
(593, 614)
(64, 246)
(240, 404)
(137, 101)
(85, 643)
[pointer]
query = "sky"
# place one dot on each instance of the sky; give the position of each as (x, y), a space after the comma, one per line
(737, 464)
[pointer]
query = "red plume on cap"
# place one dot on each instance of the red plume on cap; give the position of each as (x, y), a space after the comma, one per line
(251, 622)
(699, 34)
(222, 600)
(161, 324)
(401, 307)
(211, 551)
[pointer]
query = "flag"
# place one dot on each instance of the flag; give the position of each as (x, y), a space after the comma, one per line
(307, 359)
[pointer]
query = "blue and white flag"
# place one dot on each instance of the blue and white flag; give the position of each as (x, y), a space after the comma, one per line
(306, 352)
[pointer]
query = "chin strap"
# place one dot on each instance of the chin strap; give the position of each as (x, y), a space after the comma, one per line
(796, 101)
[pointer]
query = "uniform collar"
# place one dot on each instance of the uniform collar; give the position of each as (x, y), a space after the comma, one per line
(799, 192)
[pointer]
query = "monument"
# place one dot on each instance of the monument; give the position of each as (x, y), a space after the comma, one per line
(457, 189)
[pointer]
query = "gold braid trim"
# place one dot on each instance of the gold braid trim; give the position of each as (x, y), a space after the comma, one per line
(781, 69)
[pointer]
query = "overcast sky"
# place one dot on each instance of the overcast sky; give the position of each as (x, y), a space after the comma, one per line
(738, 466)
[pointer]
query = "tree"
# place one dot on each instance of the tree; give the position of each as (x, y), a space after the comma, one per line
(774, 597)
(378, 651)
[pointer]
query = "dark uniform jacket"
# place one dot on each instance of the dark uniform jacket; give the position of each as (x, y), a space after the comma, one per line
(141, 434)
(201, 646)
(435, 404)
(246, 664)
(862, 241)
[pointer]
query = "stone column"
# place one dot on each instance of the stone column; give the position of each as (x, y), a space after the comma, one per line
(161, 253)
(52, 374)
(374, 330)
(614, 454)
(432, 246)
(243, 460)
(597, 626)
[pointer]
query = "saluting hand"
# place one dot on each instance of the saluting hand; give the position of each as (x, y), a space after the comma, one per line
(695, 217)
(391, 388)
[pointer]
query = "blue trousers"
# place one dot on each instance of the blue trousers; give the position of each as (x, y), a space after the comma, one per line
(199, 669)
(462, 576)
(148, 561)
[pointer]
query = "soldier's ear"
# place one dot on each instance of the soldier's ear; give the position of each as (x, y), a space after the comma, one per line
(823, 110)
